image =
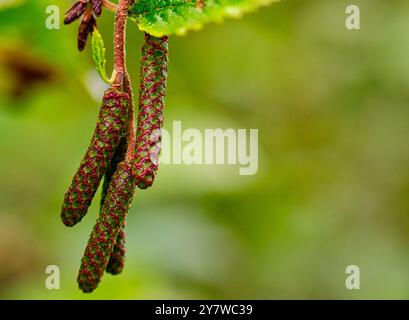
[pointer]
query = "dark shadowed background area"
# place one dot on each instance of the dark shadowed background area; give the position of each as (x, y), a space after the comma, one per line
(332, 188)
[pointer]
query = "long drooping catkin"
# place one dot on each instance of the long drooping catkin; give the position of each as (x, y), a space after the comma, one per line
(117, 259)
(104, 235)
(110, 129)
(152, 92)
(124, 158)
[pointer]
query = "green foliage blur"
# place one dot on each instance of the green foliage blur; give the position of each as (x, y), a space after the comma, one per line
(332, 188)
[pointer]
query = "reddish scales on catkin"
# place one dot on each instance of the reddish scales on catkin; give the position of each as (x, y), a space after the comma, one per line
(152, 92)
(110, 129)
(117, 259)
(104, 235)
(119, 156)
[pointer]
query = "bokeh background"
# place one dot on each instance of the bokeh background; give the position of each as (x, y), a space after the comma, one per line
(332, 189)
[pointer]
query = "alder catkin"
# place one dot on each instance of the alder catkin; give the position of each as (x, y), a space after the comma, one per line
(104, 235)
(110, 129)
(152, 92)
(119, 156)
(117, 259)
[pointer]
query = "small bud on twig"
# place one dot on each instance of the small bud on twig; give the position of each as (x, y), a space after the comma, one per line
(87, 25)
(97, 7)
(110, 129)
(152, 92)
(76, 10)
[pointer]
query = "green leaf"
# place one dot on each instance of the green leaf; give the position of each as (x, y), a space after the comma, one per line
(167, 17)
(98, 54)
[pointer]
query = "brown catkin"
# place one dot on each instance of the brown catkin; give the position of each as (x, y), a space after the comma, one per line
(104, 235)
(87, 25)
(154, 63)
(75, 11)
(110, 129)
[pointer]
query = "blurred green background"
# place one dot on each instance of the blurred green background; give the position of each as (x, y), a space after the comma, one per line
(331, 106)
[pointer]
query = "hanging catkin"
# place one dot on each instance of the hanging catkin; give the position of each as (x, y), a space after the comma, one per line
(117, 259)
(123, 157)
(87, 25)
(110, 129)
(75, 11)
(152, 92)
(104, 235)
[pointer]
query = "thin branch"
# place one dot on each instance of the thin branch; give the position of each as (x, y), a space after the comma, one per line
(119, 40)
